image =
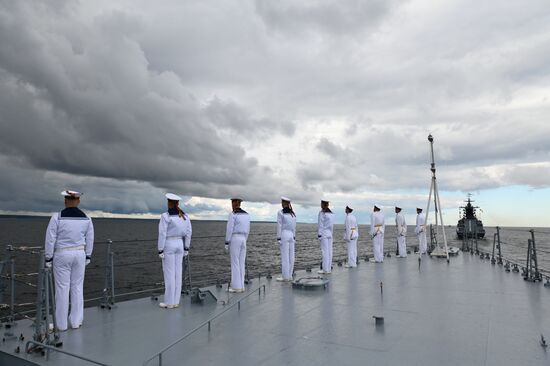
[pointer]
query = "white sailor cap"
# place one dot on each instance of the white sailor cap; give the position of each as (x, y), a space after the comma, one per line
(236, 198)
(377, 205)
(69, 193)
(172, 197)
(283, 198)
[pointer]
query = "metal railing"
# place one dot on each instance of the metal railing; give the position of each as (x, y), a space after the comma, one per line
(106, 296)
(530, 270)
(208, 322)
(51, 348)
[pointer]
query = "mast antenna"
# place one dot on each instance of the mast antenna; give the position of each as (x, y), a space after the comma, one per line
(438, 251)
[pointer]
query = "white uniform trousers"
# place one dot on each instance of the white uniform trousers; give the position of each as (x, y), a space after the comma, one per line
(68, 270)
(352, 252)
(172, 269)
(326, 249)
(237, 251)
(423, 245)
(287, 254)
(378, 247)
(402, 245)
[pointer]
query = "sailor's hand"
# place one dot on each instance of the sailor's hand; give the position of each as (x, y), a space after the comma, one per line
(185, 250)
(88, 260)
(319, 236)
(49, 263)
(279, 241)
(227, 247)
(161, 255)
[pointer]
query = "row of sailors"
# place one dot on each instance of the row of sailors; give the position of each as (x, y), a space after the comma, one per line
(70, 237)
(377, 229)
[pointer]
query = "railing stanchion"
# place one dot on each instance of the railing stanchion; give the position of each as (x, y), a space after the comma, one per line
(12, 293)
(108, 300)
(499, 244)
(532, 269)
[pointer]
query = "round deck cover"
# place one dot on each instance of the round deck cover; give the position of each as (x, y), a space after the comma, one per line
(310, 282)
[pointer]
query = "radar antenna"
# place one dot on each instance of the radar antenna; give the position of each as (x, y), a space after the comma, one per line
(438, 251)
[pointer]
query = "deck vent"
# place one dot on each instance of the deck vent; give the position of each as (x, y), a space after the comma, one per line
(378, 320)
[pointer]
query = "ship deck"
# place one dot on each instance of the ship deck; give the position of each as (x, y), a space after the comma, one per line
(468, 312)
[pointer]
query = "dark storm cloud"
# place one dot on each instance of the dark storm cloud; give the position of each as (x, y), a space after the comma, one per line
(331, 149)
(229, 116)
(79, 99)
(28, 189)
(320, 15)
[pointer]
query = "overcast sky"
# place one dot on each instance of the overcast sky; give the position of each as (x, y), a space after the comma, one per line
(126, 100)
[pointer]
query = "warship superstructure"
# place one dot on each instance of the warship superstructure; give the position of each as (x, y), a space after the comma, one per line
(469, 224)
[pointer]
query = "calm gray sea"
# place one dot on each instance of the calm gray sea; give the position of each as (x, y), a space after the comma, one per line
(138, 266)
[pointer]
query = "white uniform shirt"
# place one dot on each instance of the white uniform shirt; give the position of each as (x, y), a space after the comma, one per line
(420, 222)
(352, 230)
(69, 228)
(400, 224)
(286, 221)
(171, 225)
(377, 224)
(238, 222)
(325, 223)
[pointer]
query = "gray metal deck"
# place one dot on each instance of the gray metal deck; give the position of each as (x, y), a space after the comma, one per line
(468, 312)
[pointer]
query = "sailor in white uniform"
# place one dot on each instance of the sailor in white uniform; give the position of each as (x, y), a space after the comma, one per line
(420, 231)
(325, 223)
(69, 245)
(377, 228)
(238, 228)
(351, 234)
(286, 237)
(174, 241)
(401, 227)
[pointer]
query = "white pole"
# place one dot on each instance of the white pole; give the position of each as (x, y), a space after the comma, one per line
(442, 224)
(437, 204)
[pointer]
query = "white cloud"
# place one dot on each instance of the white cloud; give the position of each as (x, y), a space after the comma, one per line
(305, 99)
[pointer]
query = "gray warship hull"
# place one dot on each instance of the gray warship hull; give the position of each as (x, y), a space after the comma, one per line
(467, 312)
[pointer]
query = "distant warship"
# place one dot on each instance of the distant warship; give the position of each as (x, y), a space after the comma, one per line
(469, 223)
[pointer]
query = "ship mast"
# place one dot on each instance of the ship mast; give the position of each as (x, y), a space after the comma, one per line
(438, 251)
